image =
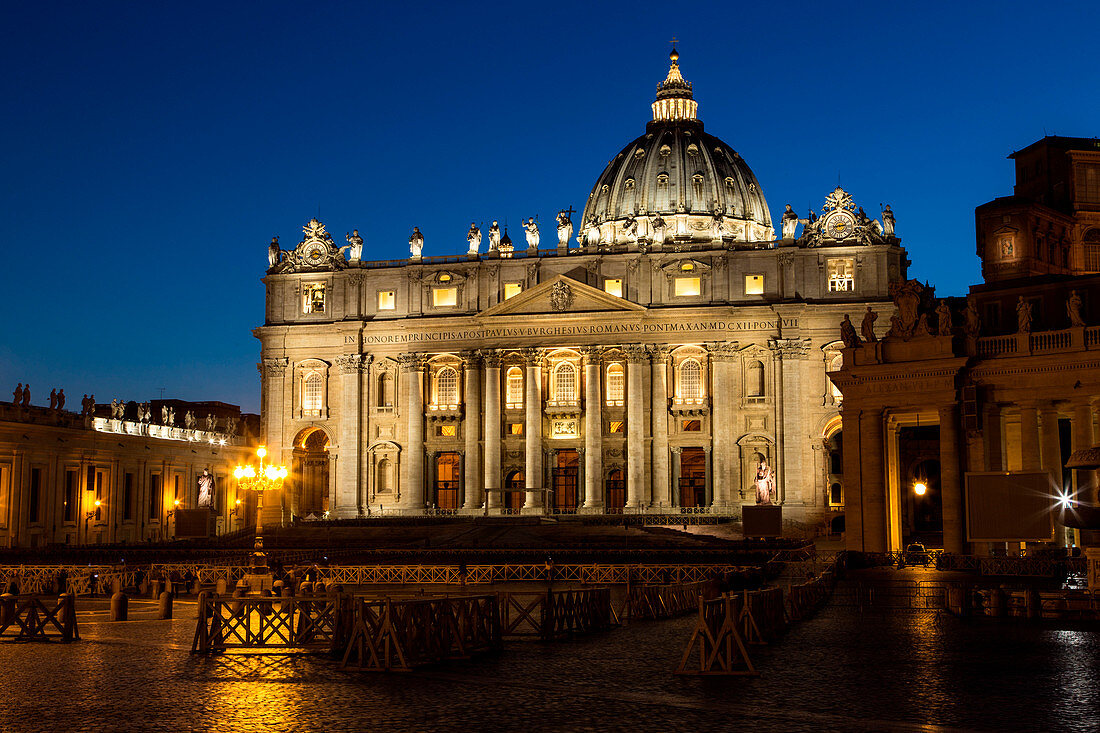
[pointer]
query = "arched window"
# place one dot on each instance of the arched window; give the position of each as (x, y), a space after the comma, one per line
(515, 386)
(565, 382)
(662, 202)
(385, 390)
(691, 380)
(311, 392)
(446, 386)
(615, 384)
(754, 382)
(382, 476)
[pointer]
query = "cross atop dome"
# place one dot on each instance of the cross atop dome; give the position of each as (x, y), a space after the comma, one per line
(674, 94)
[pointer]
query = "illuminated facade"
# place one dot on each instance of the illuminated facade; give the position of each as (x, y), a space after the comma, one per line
(1006, 379)
(648, 364)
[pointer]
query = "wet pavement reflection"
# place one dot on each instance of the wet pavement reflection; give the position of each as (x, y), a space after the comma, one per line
(841, 670)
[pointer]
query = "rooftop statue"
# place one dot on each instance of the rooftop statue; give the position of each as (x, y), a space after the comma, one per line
(789, 223)
(867, 327)
(274, 254)
(1073, 310)
(848, 333)
(659, 226)
(473, 236)
(532, 228)
(887, 221)
(416, 242)
(973, 324)
(1023, 316)
(591, 231)
(907, 298)
(565, 227)
(355, 245)
(943, 319)
(494, 237)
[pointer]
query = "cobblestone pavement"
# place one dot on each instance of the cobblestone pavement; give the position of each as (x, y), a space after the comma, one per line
(839, 671)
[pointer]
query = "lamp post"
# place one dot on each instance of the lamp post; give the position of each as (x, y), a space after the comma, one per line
(88, 515)
(265, 477)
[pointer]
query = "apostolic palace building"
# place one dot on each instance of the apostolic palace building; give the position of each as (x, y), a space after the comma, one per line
(660, 358)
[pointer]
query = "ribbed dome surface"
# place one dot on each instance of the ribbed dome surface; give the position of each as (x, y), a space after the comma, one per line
(680, 172)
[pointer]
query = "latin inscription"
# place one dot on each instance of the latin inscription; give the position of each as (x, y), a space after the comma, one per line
(596, 329)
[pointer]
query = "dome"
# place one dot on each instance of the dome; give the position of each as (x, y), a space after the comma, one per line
(678, 179)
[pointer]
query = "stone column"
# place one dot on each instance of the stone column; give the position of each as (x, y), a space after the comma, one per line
(412, 493)
(1083, 436)
(708, 477)
(873, 481)
(993, 432)
(345, 497)
(637, 358)
(1029, 438)
(722, 398)
(533, 433)
(674, 495)
(1051, 456)
(792, 479)
(492, 486)
(954, 524)
(471, 463)
(660, 489)
(593, 430)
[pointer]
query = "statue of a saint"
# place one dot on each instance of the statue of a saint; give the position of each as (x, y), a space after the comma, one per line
(355, 245)
(716, 220)
(53, 398)
(206, 488)
(764, 484)
(231, 426)
(61, 399)
(532, 228)
(848, 333)
(114, 409)
(592, 231)
(887, 221)
(1073, 310)
(416, 243)
(171, 416)
(188, 419)
(973, 324)
(273, 253)
(943, 319)
(473, 236)
(630, 228)
(211, 422)
(494, 237)
(164, 414)
(565, 227)
(867, 327)
(146, 412)
(17, 395)
(790, 223)
(659, 227)
(1023, 316)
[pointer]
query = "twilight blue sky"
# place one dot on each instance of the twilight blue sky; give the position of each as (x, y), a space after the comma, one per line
(151, 150)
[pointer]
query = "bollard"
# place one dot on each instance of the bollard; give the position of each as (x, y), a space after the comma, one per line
(116, 587)
(156, 587)
(164, 605)
(119, 606)
(7, 609)
(219, 587)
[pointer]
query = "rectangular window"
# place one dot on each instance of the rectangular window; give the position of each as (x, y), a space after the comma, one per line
(387, 300)
(687, 286)
(313, 298)
(128, 496)
(841, 274)
(614, 287)
(515, 428)
(71, 479)
(154, 495)
(615, 426)
(691, 426)
(1088, 183)
(512, 289)
(1092, 257)
(444, 297)
(446, 431)
(754, 284)
(36, 493)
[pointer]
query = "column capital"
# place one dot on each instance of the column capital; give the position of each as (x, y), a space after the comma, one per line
(635, 353)
(532, 356)
(353, 363)
(592, 354)
(412, 361)
(723, 350)
(274, 366)
(659, 352)
(490, 357)
(471, 358)
(790, 348)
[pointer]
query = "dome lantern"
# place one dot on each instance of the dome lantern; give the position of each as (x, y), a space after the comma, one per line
(674, 100)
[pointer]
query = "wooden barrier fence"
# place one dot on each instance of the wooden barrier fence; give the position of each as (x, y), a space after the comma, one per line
(390, 635)
(555, 614)
(318, 623)
(33, 618)
(665, 601)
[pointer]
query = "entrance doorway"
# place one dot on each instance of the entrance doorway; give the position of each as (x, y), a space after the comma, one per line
(514, 492)
(616, 492)
(693, 478)
(565, 481)
(310, 494)
(446, 481)
(925, 507)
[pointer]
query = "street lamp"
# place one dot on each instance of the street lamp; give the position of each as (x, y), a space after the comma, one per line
(88, 515)
(920, 488)
(265, 477)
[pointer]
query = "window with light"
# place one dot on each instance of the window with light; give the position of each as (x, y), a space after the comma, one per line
(687, 286)
(446, 387)
(754, 284)
(616, 382)
(512, 289)
(313, 298)
(841, 274)
(690, 383)
(444, 297)
(387, 300)
(613, 286)
(515, 387)
(311, 392)
(565, 383)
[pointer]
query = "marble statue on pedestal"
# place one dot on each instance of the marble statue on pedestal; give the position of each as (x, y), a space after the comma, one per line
(531, 227)
(973, 322)
(211, 422)
(591, 232)
(189, 420)
(789, 223)
(848, 333)
(764, 484)
(273, 253)
(943, 319)
(473, 236)
(494, 237)
(355, 245)
(565, 227)
(887, 221)
(867, 327)
(416, 242)
(1073, 310)
(1023, 316)
(659, 227)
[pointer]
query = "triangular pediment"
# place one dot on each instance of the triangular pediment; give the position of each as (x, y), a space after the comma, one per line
(561, 295)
